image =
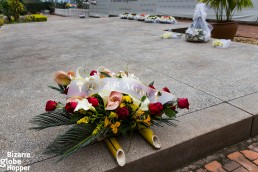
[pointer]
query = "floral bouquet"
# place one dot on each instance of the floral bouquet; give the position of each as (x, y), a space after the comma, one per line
(167, 20)
(123, 16)
(169, 35)
(151, 19)
(131, 16)
(102, 105)
(199, 30)
(221, 43)
(196, 35)
(140, 17)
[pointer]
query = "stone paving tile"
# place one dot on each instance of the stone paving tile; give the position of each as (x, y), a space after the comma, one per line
(214, 166)
(240, 169)
(238, 157)
(251, 155)
(231, 165)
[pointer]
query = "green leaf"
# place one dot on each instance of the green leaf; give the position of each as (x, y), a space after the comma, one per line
(170, 113)
(88, 138)
(71, 140)
(51, 119)
(76, 117)
(106, 75)
(152, 83)
(55, 88)
(143, 98)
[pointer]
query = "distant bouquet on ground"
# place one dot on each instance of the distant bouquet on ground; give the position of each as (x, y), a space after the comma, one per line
(170, 35)
(123, 16)
(200, 30)
(151, 19)
(167, 20)
(221, 43)
(140, 17)
(102, 105)
(131, 16)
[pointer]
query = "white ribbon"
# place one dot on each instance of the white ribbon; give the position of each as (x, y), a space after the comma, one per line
(127, 86)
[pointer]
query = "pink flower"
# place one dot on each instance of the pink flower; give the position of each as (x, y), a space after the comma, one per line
(63, 78)
(114, 100)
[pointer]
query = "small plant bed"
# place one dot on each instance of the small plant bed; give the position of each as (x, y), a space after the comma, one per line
(253, 41)
(28, 18)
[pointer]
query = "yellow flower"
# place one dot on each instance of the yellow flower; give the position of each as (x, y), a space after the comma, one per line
(122, 105)
(113, 115)
(106, 122)
(84, 120)
(134, 107)
(115, 126)
(97, 129)
(127, 99)
(139, 112)
(147, 120)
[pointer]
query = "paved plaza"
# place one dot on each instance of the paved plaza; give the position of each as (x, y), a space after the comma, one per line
(221, 85)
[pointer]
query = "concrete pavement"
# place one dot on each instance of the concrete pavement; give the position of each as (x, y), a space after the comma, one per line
(221, 86)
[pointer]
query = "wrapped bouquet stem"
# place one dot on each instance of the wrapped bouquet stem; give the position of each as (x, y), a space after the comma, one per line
(116, 150)
(148, 135)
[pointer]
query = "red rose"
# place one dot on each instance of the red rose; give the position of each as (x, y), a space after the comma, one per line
(122, 112)
(183, 103)
(166, 89)
(51, 105)
(152, 86)
(93, 72)
(94, 101)
(155, 108)
(70, 106)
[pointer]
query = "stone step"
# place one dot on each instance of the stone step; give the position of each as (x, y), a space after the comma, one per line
(197, 134)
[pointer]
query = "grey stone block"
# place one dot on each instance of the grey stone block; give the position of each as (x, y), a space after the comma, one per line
(249, 104)
(196, 135)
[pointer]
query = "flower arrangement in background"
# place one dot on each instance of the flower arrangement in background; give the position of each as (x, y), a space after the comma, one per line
(151, 19)
(167, 20)
(131, 16)
(140, 17)
(123, 16)
(169, 35)
(221, 43)
(102, 105)
(195, 35)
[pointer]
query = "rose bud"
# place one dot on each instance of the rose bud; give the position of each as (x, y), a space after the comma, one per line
(70, 106)
(166, 89)
(66, 91)
(152, 86)
(122, 112)
(51, 105)
(94, 101)
(183, 103)
(93, 72)
(156, 108)
(62, 78)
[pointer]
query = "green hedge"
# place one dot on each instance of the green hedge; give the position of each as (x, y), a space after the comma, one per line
(1, 20)
(38, 17)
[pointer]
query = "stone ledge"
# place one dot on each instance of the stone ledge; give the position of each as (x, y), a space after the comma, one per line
(196, 135)
(249, 104)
